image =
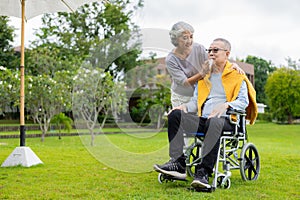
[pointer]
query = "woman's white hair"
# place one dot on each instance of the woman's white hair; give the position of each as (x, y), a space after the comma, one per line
(178, 29)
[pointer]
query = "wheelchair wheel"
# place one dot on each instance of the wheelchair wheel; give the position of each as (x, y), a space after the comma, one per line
(193, 158)
(220, 179)
(250, 162)
(162, 178)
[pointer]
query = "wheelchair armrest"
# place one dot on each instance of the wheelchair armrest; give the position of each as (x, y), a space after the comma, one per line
(236, 116)
(231, 111)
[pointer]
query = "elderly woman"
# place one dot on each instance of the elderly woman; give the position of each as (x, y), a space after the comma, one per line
(184, 63)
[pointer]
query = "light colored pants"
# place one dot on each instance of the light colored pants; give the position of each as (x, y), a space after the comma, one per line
(177, 99)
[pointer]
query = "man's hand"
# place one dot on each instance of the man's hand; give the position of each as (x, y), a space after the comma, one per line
(206, 67)
(181, 107)
(237, 68)
(218, 110)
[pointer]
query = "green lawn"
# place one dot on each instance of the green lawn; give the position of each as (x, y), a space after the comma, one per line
(119, 166)
(106, 130)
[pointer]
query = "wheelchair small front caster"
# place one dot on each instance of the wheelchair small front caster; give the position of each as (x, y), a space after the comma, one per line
(163, 178)
(221, 183)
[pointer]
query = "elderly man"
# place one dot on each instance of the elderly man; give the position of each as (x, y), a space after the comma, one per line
(221, 89)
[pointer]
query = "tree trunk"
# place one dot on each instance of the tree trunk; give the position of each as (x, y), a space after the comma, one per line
(144, 117)
(43, 136)
(59, 132)
(103, 121)
(290, 119)
(159, 120)
(92, 137)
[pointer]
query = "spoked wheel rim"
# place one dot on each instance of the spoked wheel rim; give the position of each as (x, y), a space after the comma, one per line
(250, 162)
(193, 155)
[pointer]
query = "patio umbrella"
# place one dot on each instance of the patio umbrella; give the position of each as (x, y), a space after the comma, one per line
(27, 9)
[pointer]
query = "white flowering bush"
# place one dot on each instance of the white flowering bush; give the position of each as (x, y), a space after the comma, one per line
(47, 96)
(9, 89)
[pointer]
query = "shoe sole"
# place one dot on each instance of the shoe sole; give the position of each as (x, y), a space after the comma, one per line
(200, 185)
(171, 173)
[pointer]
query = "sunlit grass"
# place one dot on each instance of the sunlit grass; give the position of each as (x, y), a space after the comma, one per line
(70, 171)
(104, 130)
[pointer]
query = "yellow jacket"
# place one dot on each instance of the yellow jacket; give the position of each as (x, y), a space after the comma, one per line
(232, 82)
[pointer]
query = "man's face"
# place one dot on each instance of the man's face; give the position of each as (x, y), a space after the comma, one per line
(185, 40)
(218, 52)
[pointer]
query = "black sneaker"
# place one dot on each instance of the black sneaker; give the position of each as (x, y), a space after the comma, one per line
(173, 168)
(201, 180)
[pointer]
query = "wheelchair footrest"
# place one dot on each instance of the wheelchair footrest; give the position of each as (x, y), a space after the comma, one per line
(201, 189)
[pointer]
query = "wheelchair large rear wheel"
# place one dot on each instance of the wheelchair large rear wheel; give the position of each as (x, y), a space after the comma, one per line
(193, 154)
(250, 162)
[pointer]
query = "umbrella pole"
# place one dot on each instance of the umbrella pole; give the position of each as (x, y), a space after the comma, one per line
(22, 79)
(22, 155)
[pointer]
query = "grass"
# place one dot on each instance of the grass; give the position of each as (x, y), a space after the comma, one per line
(119, 166)
(105, 130)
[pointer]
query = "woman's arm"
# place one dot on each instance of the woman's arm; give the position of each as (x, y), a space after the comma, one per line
(200, 75)
(194, 79)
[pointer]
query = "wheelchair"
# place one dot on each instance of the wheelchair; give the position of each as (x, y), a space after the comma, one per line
(235, 152)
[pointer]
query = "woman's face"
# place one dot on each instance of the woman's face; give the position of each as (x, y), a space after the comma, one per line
(185, 40)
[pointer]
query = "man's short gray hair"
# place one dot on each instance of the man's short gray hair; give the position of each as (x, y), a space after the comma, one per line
(178, 29)
(226, 43)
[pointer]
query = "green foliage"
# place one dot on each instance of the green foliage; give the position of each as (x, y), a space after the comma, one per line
(262, 69)
(151, 93)
(152, 105)
(266, 117)
(61, 119)
(8, 58)
(283, 92)
(77, 33)
(9, 88)
(47, 96)
(49, 59)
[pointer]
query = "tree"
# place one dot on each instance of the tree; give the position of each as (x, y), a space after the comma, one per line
(8, 59)
(293, 64)
(77, 33)
(262, 69)
(283, 92)
(152, 89)
(9, 88)
(47, 96)
(155, 100)
(48, 85)
(47, 60)
(95, 92)
(62, 120)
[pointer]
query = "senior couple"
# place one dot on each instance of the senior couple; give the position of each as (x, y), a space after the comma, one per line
(220, 87)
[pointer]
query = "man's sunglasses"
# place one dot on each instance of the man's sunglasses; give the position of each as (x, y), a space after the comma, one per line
(215, 50)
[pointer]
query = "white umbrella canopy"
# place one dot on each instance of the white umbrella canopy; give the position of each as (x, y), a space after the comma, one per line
(34, 8)
(27, 9)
